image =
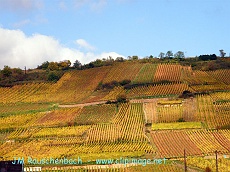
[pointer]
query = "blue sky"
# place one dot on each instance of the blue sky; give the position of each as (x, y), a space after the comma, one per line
(34, 31)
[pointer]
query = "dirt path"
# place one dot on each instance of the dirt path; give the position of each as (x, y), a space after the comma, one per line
(82, 104)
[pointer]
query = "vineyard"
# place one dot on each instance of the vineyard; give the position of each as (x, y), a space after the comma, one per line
(146, 74)
(168, 72)
(158, 90)
(119, 72)
(79, 86)
(170, 109)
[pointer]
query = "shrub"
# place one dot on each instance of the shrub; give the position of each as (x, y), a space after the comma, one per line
(108, 102)
(181, 120)
(124, 82)
(108, 85)
(128, 86)
(122, 98)
(186, 94)
(115, 83)
(52, 76)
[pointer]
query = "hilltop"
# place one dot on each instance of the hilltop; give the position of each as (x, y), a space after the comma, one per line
(53, 71)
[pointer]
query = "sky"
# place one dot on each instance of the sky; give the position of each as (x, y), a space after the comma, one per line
(35, 31)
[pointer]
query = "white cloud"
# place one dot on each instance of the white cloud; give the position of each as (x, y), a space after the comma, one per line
(94, 5)
(21, 23)
(21, 5)
(98, 5)
(80, 3)
(19, 50)
(83, 44)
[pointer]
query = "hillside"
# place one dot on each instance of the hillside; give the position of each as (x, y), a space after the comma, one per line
(144, 80)
(170, 108)
(53, 71)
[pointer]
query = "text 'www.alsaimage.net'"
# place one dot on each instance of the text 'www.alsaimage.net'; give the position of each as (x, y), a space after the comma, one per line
(126, 161)
(78, 161)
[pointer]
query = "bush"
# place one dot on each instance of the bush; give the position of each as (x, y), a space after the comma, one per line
(186, 94)
(181, 120)
(115, 83)
(108, 85)
(108, 102)
(124, 82)
(7, 71)
(52, 76)
(128, 86)
(148, 124)
(122, 98)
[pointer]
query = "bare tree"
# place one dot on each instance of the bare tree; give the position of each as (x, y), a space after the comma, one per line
(161, 55)
(169, 54)
(222, 53)
(179, 54)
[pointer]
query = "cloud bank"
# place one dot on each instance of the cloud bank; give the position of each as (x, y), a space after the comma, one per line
(19, 50)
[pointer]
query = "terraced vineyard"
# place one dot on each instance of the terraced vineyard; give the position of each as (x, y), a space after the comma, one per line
(214, 115)
(168, 72)
(169, 114)
(171, 108)
(57, 118)
(52, 136)
(112, 95)
(173, 143)
(96, 114)
(146, 74)
(123, 71)
(158, 90)
(221, 75)
(74, 86)
(205, 141)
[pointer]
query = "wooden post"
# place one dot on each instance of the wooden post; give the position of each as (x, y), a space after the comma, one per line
(185, 163)
(216, 161)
